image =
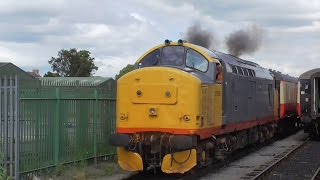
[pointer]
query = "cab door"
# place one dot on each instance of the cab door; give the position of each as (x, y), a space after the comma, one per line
(252, 100)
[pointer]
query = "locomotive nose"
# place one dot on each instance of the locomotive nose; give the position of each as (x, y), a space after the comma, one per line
(157, 99)
(154, 93)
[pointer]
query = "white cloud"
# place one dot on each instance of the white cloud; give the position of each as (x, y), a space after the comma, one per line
(110, 65)
(118, 32)
(92, 31)
(314, 27)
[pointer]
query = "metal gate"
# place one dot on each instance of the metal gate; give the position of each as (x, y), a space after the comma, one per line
(9, 128)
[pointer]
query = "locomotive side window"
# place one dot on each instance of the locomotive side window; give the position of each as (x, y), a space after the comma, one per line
(173, 55)
(196, 61)
(270, 94)
(151, 59)
(245, 71)
(250, 73)
(239, 70)
(234, 70)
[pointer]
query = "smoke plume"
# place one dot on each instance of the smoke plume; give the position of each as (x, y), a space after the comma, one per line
(198, 36)
(244, 41)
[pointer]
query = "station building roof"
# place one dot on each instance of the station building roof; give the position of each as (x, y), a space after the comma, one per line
(75, 81)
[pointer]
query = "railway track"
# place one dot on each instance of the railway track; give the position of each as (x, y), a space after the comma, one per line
(316, 175)
(201, 172)
(259, 173)
(276, 150)
(301, 162)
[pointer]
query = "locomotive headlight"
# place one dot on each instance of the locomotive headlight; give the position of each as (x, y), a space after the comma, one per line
(152, 112)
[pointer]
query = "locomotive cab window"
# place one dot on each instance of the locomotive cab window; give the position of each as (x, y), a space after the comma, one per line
(172, 55)
(151, 59)
(196, 61)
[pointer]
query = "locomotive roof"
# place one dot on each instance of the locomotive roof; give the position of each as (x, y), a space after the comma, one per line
(205, 52)
(260, 71)
(231, 58)
(309, 74)
(216, 56)
(283, 77)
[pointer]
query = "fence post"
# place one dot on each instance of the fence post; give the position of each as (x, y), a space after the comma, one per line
(17, 129)
(57, 129)
(5, 114)
(95, 125)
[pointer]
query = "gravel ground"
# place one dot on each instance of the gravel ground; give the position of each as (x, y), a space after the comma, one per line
(301, 164)
(248, 164)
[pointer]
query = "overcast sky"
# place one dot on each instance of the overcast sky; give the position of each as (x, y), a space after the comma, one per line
(118, 32)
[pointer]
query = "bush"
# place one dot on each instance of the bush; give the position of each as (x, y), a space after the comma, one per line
(2, 170)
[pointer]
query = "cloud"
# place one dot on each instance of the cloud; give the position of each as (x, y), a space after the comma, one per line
(314, 27)
(118, 32)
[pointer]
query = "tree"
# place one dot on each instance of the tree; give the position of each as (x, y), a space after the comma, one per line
(125, 70)
(73, 63)
(51, 74)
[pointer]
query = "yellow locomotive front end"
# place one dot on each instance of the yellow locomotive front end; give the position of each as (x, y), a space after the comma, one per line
(159, 114)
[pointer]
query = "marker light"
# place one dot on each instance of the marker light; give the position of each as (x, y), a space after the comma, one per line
(167, 42)
(180, 41)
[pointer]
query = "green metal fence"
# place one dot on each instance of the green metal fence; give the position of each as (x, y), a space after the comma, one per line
(62, 125)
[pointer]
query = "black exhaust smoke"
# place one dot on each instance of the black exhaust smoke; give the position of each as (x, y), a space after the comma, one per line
(197, 35)
(244, 41)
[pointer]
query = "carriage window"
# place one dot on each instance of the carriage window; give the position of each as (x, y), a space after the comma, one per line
(151, 59)
(196, 61)
(173, 55)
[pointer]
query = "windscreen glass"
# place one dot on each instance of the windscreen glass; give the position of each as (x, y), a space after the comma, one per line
(151, 59)
(196, 61)
(172, 55)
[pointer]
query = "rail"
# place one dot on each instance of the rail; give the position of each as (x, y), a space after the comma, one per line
(316, 175)
(275, 163)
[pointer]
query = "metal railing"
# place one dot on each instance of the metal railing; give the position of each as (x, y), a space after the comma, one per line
(9, 108)
(57, 126)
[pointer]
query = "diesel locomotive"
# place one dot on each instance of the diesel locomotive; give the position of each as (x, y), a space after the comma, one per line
(186, 106)
(309, 101)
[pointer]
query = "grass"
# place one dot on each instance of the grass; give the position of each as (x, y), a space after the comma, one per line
(84, 170)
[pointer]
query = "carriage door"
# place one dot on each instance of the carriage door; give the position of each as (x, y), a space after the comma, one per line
(252, 100)
(316, 96)
(305, 97)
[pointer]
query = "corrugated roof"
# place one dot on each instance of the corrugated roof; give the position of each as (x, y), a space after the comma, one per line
(73, 81)
(3, 64)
